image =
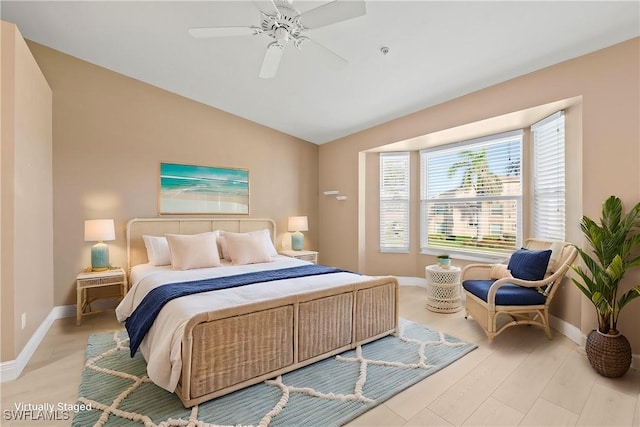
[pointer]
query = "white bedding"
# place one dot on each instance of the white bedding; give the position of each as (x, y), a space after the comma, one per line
(162, 346)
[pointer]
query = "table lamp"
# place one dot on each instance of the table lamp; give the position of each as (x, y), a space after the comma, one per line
(296, 225)
(99, 230)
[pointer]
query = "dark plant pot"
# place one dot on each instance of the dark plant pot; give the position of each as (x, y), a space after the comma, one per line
(609, 355)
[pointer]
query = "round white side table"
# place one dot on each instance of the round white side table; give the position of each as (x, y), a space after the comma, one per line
(443, 289)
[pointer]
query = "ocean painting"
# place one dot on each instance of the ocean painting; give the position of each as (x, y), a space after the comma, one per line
(188, 189)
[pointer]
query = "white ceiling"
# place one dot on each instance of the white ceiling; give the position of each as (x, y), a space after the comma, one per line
(439, 50)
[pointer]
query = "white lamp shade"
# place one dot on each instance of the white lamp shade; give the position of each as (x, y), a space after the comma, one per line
(298, 223)
(99, 230)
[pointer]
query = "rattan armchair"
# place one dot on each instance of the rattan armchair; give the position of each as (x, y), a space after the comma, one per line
(519, 302)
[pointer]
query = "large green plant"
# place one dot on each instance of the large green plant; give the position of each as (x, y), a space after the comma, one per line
(613, 243)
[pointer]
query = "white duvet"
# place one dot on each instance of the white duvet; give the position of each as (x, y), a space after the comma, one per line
(162, 345)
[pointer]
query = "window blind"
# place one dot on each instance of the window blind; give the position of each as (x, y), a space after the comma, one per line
(549, 178)
(471, 195)
(394, 202)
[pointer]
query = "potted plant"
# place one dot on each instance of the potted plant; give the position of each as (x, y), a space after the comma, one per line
(612, 253)
(444, 261)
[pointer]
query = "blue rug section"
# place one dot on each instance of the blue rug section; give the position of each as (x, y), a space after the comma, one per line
(326, 393)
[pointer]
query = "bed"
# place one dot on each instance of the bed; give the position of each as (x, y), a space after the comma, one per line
(206, 345)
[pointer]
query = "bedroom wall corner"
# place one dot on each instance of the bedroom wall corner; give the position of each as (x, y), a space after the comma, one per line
(26, 231)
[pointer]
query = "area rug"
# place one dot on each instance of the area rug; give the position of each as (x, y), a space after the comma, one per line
(115, 390)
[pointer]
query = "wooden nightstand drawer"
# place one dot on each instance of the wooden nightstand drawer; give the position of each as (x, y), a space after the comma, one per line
(311, 256)
(100, 281)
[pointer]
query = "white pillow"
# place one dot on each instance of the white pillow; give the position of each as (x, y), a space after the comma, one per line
(263, 234)
(190, 251)
(157, 250)
(247, 249)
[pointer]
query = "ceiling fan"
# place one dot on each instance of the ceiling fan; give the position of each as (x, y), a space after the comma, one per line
(283, 23)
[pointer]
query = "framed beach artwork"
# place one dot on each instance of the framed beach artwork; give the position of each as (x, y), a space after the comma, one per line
(189, 189)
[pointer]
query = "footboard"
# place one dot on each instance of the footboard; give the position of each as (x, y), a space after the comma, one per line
(226, 350)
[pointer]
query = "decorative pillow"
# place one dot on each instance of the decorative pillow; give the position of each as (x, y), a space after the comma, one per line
(190, 251)
(157, 250)
(263, 234)
(499, 271)
(247, 249)
(556, 251)
(528, 264)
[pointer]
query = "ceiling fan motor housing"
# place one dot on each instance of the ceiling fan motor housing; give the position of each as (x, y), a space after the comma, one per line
(284, 25)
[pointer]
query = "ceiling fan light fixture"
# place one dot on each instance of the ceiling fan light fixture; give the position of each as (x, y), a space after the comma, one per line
(282, 35)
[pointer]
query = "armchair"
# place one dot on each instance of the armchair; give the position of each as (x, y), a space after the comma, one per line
(523, 300)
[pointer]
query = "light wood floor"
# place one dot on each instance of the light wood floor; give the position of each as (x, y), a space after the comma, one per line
(521, 379)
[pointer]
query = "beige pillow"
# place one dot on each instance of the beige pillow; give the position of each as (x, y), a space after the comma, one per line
(263, 234)
(190, 251)
(246, 249)
(499, 271)
(556, 251)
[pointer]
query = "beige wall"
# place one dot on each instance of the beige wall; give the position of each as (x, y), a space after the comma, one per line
(26, 230)
(111, 132)
(604, 139)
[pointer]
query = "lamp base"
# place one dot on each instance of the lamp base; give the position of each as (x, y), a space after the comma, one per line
(297, 241)
(99, 257)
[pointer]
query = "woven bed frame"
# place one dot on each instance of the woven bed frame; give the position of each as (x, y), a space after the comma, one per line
(226, 350)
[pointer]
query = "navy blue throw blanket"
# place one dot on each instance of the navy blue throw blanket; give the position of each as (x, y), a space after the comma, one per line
(140, 321)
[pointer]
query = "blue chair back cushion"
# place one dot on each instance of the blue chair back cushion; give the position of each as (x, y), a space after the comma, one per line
(528, 264)
(507, 295)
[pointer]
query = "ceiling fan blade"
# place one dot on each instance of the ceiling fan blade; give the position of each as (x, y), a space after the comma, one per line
(266, 6)
(271, 60)
(323, 53)
(221, 32)
(330, 13)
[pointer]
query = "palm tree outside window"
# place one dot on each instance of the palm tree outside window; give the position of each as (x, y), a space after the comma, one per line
(474, 179)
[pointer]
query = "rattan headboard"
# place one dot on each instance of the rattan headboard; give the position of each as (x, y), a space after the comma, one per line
(137, 227)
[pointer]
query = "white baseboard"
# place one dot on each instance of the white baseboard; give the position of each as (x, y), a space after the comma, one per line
(10, 370)
(575, 335)
(568, 330)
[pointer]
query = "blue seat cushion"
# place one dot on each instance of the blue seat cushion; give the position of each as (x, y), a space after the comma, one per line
(507, 295)
(528, 264)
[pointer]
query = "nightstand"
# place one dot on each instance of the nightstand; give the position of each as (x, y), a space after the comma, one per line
(97, 279)
(311, 256)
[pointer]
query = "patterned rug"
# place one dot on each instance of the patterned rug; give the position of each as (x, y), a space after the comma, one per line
(328, 393)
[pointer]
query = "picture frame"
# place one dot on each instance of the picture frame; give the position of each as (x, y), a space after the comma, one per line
(198, 190)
